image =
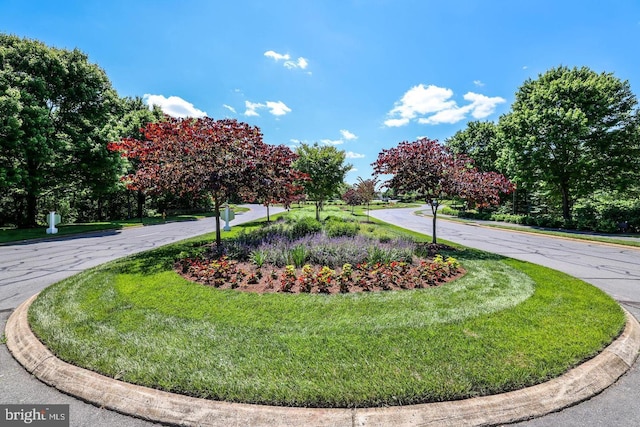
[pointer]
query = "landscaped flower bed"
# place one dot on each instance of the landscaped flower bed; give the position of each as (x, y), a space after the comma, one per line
(226, 273)
(301, 258)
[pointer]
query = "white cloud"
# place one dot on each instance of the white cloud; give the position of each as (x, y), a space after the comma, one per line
(252, 107)
(392, 123)
(277, 56)
(478, 83)
(352, 155)
(301, 62)
(451, 115)
(422, 100)
(482, 106)
(277, 108)
(432, 105)
(348, 135)
(230, 108)
(173, 106)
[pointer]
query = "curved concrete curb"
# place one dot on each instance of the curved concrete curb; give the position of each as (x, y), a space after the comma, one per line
(577, 385)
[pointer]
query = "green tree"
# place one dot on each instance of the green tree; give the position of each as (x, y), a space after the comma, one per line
(326, 170)
(571, 131)
(54, 137)
(479, 142)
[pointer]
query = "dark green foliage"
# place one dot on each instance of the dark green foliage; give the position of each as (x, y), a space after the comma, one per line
(572, 132)
(478, 141)
(57, 110)
(304, 226)
(336, 227)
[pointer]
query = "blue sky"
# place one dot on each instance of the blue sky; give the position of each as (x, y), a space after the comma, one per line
(360, 74)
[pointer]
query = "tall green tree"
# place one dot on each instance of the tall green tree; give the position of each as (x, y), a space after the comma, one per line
(54, 138)
(326, 170)
(572, 131)
(479, 142)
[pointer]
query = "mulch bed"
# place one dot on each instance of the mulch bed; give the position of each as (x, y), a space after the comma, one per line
(247, 277)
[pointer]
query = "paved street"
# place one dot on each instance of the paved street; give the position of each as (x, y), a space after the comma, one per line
(27, 268)
(614, 269)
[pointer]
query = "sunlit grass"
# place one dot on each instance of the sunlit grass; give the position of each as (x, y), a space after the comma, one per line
(505, 325)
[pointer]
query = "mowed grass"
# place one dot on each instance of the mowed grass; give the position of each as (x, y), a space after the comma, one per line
(505, 325)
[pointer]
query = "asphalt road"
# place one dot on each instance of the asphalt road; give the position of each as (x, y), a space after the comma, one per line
(28, 268)
(614, 269)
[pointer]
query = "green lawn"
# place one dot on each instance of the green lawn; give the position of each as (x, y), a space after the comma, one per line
(505, 325)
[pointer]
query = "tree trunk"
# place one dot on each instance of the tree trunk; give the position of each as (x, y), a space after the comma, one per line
(216, 213)
(268, 219)
(566, 203)
(32, 210)
(141, 198)
(434, 211)
(100, 209)
(318, 210)
(129, 212)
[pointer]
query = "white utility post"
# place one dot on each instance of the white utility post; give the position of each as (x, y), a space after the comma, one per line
(54, 219)
(227, 216)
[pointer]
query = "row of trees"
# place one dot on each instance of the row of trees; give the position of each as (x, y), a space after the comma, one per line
(571, 133)
(572, 136)
(224, 159)
(210, 159)
(59, 113)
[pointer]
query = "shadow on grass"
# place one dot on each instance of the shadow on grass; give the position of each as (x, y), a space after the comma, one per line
(30, 236)
(476, 254)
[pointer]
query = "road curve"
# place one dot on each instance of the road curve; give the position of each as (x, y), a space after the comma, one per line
(614, 269)
(27, 268)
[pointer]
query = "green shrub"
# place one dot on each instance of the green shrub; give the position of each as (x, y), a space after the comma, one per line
(446, 210)
(304, 226)
(341, 228)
